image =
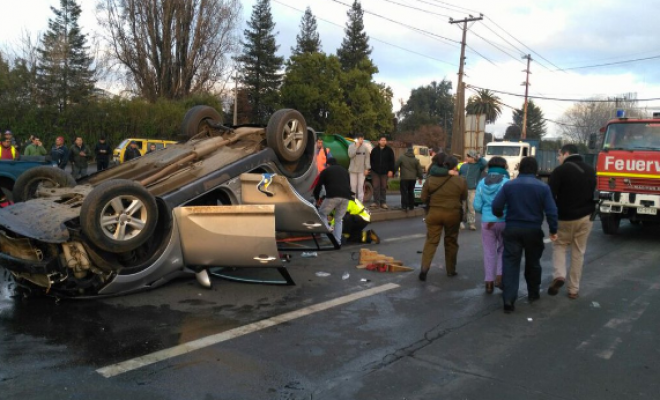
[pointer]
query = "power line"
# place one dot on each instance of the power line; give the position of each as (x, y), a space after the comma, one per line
(418, 9)
(613, 63)
(494, 45)
(523, 44)
(401, 23)
(448, 5)
(371, 37)
(559, 99)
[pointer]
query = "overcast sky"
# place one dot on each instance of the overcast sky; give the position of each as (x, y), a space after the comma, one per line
(414, 44)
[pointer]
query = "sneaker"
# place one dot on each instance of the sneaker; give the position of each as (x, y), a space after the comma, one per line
(555, 285)
(462, 225)
(373, 205)
(573, 296)
(472, 227)
(533, 297)
(384, 206)
(509, 308)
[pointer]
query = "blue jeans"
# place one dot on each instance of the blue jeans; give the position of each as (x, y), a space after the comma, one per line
(339, 206)
(517, 241)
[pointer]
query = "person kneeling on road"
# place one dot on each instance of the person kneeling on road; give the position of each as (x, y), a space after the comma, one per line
(356, 219)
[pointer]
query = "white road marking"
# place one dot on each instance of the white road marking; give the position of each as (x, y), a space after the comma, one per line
(139, 362)
(407, 237)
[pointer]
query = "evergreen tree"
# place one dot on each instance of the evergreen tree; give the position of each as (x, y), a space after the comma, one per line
(428, 105)
(65, 75)
(307, 41)
(355, 46)
(261, 67)
(536, 127)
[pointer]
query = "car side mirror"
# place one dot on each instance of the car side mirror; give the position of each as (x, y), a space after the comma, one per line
(592, 141)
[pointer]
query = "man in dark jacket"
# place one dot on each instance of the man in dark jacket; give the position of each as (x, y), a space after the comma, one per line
(337, 184)
(79, 158)
(59, 154)
(471, 171)
(526, 200)
(132, 152)
(382, 168)
(409, 169)
(572, 184)
(102, 152)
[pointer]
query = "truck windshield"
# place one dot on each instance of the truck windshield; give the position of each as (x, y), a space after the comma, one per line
(506, 151)
(632, 135)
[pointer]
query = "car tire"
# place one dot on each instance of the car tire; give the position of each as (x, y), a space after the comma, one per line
(286, 134)
(368, 191)
(25, 187)
(610, 223)
(197, 118)
(119, 215)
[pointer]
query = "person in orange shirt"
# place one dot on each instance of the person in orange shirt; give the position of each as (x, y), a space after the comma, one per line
(322, 155)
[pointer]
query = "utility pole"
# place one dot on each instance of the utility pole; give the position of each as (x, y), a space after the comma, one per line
(458, 130)
(526, 84)
(236, 100)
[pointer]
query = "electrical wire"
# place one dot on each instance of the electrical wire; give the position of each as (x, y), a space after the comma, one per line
(418, 9)
(558, 99)
(612, 63)
(371, 37)
(400, 23)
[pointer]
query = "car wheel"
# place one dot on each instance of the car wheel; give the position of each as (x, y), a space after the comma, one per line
(197, 118)
(610, 223)
(119, 215)
(286, 134)
(27, 184)
(368, 191)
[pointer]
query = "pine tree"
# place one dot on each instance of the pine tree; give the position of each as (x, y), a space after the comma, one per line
(261, 75)
(307, 41)
(355, 46)
(65, 75)
(536, 127)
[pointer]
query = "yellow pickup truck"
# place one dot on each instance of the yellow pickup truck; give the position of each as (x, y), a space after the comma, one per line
(143, 146)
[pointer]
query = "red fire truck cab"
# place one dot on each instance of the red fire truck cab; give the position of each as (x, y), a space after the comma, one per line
(628, 172)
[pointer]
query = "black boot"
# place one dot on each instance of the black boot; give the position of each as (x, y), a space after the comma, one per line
(422, 275)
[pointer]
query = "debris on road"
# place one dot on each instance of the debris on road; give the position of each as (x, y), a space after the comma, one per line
(309, 254)
(374, 261)
(322, 274)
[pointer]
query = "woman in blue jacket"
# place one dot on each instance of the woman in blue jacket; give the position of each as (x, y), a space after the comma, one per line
(492, 228)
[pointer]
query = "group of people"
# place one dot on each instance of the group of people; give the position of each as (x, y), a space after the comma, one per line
(78, 156)
(512, 213)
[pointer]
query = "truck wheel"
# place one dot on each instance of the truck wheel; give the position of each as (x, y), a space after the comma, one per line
(197, 118)
(30, 181)
(368, 191)
(286, 134)
(610, 223)
(119, 215)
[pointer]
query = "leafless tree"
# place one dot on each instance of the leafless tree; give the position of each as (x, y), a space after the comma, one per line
(171, 48)
(583, 119)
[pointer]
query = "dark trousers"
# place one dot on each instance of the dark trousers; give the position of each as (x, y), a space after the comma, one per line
(101, 165)
(379, 183)
(437, 220)
(517, 241)
(407, 189)
(353, 226)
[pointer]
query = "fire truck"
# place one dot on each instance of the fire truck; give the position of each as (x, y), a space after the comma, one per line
(628, 171)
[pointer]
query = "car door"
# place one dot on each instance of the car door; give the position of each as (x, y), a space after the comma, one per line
(228, 236)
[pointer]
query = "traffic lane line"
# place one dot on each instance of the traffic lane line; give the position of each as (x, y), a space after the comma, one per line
(161, 355)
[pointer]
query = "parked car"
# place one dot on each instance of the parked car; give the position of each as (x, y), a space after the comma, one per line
(10, 170)
(142, 144)
(216, 200)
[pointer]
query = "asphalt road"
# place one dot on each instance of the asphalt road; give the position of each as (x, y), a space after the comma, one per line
(392, 337)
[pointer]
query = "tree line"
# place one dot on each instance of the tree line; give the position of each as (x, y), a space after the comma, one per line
(171, 55)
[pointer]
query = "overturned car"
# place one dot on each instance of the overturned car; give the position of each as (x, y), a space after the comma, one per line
(221, 199)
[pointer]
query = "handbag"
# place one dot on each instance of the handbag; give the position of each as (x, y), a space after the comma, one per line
(427, 205)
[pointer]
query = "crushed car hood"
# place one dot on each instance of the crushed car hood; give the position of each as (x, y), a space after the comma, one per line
(44, 218)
